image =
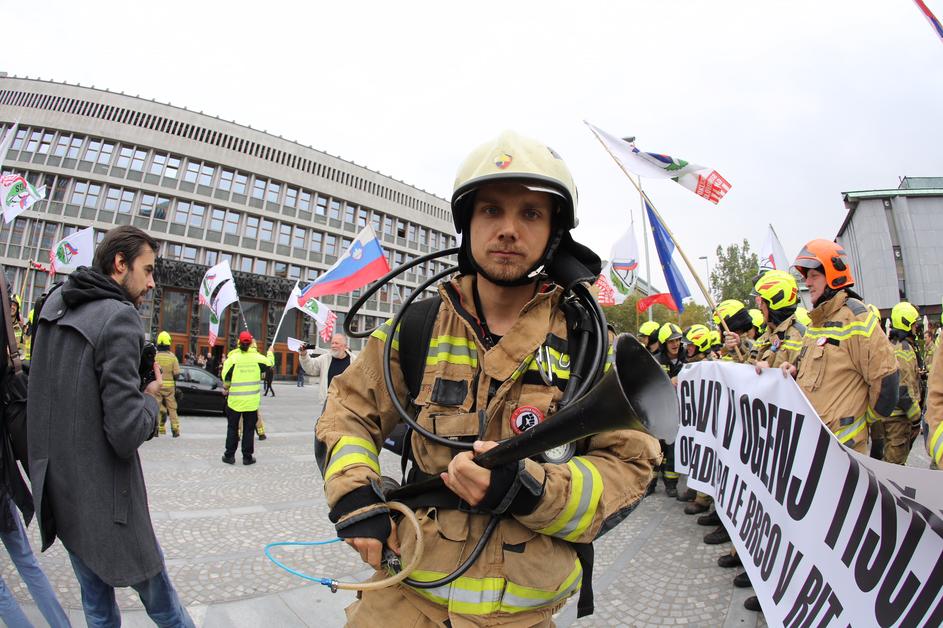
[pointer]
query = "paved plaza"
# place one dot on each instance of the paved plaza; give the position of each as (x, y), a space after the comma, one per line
(213, 521)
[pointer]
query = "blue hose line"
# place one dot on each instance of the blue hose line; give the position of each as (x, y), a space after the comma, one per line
(268, 554)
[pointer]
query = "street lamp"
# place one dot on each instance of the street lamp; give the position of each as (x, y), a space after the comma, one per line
(708, 262)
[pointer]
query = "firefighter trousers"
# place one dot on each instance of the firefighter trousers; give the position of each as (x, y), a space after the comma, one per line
(897, 432)
(168, 406)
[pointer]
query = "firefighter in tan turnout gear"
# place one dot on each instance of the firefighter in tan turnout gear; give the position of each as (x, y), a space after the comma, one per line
(777, 295)
(903, 426)
(847, 367)
(497, 362)
(170, 367)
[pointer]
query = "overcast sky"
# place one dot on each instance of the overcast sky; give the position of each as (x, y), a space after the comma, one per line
(793, 102)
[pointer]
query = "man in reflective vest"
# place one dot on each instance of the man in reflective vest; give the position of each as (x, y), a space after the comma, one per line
(242, 377)
(171, 370)
(847, 365)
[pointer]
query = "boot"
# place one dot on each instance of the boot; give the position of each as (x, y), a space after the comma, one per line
(710, 519)
(176, 433)
(229, 459)
(262, 436)
(651, 486)
(687, 496)
(695, 508)
(247, 460)
(717, 537)
(752, 603)
(671, 488)
(742, 580)
(729, 560)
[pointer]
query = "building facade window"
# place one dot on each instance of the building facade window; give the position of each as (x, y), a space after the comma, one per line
(284, 234)
(258, 189)
(232, 222)
(252, 227)
(239, 184)
(266, 229)
(225, 180)
(124, 157)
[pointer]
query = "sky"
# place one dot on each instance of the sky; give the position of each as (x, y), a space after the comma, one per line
(792, 102)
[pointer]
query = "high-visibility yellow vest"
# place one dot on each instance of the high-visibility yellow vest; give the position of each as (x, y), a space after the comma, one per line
(242, 373)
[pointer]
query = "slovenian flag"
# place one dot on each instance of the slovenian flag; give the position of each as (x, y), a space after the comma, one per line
(665, 247)
(927, 13)
(362, 263)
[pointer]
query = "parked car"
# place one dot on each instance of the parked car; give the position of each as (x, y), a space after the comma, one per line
(199, 391)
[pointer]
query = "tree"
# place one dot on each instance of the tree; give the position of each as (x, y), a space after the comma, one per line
(735, 272)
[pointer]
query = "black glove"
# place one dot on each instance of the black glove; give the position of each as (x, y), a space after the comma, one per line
(371, 524)
(512, 490)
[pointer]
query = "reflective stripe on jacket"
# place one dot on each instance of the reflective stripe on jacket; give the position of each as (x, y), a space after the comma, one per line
(170, 367)
(529, 564)
(242, 373)
(782, 343)
(844, 359)
(934, 413)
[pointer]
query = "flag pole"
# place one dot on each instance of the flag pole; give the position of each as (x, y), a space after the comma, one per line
(648, 261)
(650, 205)
(282, 319)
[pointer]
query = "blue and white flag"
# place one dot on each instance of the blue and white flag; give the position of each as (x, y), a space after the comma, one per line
(665, 247)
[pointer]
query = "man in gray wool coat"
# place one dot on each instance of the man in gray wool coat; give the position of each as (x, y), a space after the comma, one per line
(87, 416)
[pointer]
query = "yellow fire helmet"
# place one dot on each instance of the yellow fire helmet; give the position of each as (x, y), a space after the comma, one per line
(758, 321)
(903, 316)
(647, 329)
(715, 338)
(511, 157)
(727, 310)
(699, 336)
(778, 288)
(163, 338)
(668, 331)
(802, 315)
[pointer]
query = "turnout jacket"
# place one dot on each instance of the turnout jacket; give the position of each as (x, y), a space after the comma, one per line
(782, 343)
(935, 411)
(908, 403)
(530, 563)
(848, 369)
(170, 368)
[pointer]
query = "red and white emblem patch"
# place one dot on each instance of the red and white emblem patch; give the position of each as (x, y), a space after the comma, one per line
(524, 418)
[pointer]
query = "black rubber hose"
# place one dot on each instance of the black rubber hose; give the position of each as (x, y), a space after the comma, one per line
(479, 547)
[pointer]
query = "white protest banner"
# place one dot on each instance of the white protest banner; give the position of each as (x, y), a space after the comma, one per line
(294, 344)
(827, 536)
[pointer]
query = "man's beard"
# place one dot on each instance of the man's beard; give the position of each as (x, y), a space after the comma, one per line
(136, 299)
(503, 272)
(338, 353)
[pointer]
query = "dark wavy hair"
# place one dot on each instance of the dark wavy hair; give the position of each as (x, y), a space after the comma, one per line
(127, 240)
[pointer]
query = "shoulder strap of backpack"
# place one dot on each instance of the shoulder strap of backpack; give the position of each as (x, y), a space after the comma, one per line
(13, 352)
(415, 333)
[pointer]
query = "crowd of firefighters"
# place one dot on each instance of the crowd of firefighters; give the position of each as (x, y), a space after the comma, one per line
(866, 380)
